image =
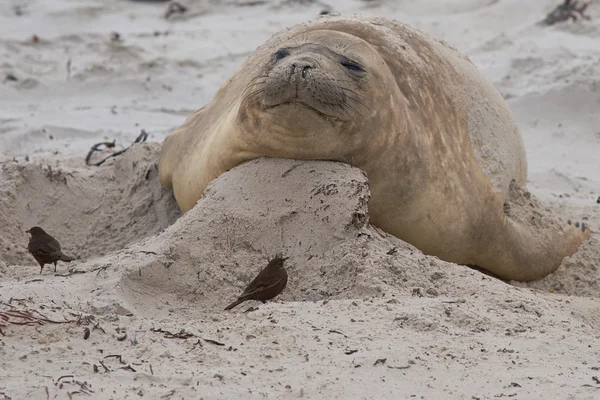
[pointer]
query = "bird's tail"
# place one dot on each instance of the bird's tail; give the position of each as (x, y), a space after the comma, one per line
(66, 258)
(235, 303)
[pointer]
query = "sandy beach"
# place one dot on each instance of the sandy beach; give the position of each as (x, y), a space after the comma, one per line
(139, 313)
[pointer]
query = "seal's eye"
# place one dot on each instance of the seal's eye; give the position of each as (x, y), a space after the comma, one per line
(352, 66)
(280, 54)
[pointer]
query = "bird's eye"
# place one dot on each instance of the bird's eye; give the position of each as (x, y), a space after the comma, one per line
(352, 66)
(280, 54)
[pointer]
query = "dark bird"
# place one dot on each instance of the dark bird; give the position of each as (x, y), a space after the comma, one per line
(268, 283)
(45, 249)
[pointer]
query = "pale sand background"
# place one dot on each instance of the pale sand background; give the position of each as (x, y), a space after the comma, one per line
(460, 333)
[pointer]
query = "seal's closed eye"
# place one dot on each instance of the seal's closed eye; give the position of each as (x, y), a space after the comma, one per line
(280, 54)
(352, 65)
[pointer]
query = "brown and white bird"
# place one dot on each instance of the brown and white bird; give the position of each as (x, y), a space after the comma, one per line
(268, 283)
(45, 249)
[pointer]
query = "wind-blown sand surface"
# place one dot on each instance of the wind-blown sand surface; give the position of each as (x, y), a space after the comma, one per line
(364, 315)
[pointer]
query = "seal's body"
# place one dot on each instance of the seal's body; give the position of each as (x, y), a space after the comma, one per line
(437, 141)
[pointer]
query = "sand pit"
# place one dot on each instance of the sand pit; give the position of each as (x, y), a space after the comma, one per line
(140, 314)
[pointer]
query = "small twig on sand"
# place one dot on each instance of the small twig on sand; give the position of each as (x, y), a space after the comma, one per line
(307, 2)
(338, 332)
(391, 367)
(168, 335)
(569, 9)
(96, 147)
(15, 299)
(72, 272)
(100, 269)
(247, 3)
(104, 366)
(174, 8)
(27, 317)
(141, 138)
(198, 343)
(97, 326)
(168, 395)
(211, 341)
(117, 356)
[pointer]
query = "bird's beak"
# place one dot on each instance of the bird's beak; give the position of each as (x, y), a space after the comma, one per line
(28, 231)
(284, 258)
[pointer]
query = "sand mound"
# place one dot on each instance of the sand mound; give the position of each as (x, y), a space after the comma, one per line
(123, 225)
(314, 212)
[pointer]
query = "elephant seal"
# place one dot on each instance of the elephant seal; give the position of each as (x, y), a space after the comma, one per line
(437, 141)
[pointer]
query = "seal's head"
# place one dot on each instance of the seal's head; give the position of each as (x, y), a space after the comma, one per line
(316, 87)
(315, 76)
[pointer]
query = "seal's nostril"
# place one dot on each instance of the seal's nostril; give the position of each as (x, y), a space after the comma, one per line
(304, 70)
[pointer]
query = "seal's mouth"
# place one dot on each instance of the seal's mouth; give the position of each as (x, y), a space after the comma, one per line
(297, 103)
